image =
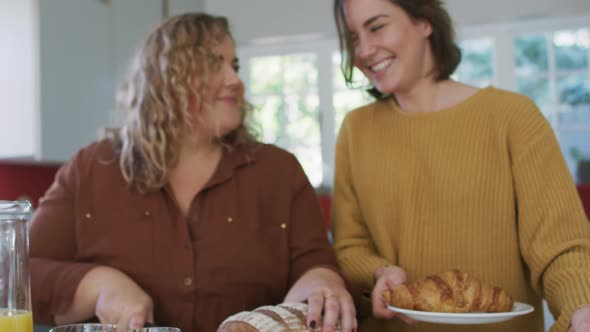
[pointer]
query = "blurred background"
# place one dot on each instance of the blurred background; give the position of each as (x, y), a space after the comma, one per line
(62, 61)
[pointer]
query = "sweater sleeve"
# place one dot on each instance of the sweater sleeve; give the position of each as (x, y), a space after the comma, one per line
(353, 244)
(554, 233)
(55, 274)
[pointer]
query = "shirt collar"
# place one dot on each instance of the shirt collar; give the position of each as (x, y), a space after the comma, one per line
(231, 160)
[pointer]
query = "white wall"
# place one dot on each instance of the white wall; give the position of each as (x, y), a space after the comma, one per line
(259, 19)
(183, 6)
(18, 76)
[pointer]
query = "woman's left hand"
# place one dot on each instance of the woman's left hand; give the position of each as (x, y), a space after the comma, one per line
(323, 288)
(580, 320)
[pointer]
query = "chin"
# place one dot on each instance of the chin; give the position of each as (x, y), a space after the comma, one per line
(387, 88)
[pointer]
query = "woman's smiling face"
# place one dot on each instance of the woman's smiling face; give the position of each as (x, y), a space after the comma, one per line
(390, 48)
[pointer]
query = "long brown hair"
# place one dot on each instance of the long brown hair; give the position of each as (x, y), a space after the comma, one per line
(157, 93)
(445, 51)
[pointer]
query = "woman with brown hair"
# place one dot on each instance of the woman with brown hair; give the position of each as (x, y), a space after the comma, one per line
(180, 217)
(438, 175)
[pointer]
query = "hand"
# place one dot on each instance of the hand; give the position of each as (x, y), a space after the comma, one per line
(387, 278)
(323, 288)
(110, 295)
(123, 302)
(580, 320)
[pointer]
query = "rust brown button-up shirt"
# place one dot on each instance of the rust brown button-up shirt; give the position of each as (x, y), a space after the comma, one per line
(251, 232)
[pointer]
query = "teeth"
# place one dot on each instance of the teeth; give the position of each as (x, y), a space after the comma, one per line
(381, 65)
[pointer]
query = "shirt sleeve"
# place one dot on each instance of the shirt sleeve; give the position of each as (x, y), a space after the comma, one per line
(55, 274)
(308, 240)
(353, 244)
(554, 233)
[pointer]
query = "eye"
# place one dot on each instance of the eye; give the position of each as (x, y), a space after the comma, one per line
(377, 27)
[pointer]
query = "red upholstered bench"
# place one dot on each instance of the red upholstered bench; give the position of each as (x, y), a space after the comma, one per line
(326, 204)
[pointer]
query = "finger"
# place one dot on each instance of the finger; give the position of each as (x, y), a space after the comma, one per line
(583, 326)
(406, 319)
(131, 321)
(123, 323)
(294, 296)
(137, 321)
(331, 313)
(395, 279)
(347, 315)
(384, 313)
(315, 303)
(377, 299)
(150, 319)
(380, 310)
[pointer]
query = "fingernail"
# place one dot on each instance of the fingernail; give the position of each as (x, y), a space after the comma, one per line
(135, 323)
(312, 324)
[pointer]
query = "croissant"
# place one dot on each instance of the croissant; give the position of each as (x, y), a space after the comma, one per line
(286, 317)
(453, 291)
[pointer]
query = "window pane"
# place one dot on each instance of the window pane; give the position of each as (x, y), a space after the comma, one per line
(477, 62)
(575, 144)
(574, 100)
(360, 81)
(271, 81)
(300, 73)
(571, 49)
(291, 122)
(284, 94)
(531, 54)
(267, 118)
(538, 90)
(303, 133)
(345, 101)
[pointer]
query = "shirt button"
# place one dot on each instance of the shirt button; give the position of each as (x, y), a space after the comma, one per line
(283, 226)
(147, 213)
(230, 219)
(188, 281)
(88, 215)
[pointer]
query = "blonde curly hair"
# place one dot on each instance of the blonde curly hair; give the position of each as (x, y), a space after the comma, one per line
(157, 93)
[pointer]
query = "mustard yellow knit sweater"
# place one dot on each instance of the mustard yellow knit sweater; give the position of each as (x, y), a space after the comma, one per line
(481, 186)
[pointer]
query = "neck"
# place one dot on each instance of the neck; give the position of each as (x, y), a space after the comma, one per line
(198, 152)
(424, 96)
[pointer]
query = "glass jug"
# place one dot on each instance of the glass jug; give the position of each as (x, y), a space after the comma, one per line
(15, 290)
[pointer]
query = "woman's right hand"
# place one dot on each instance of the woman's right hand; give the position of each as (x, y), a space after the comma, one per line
(387, 278)
(113, 297)
(121, 301)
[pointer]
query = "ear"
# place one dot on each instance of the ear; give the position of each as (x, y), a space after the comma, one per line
(425, 27)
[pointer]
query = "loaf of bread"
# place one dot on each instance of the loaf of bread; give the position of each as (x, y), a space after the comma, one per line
(453, 291)
(285, 317)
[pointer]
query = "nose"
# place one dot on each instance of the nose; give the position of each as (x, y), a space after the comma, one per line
(231, 77)
(364, 48)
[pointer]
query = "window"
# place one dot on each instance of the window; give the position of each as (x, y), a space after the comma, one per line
(344, 98)
(301, 98)
(286, 102)
(477, 62)
(553, 69)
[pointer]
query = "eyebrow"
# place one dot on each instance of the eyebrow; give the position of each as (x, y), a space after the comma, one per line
(373, 19)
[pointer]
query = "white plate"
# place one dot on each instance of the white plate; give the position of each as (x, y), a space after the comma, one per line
(466, 318)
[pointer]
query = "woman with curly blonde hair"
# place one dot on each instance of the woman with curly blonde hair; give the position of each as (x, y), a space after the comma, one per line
(180, 217)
